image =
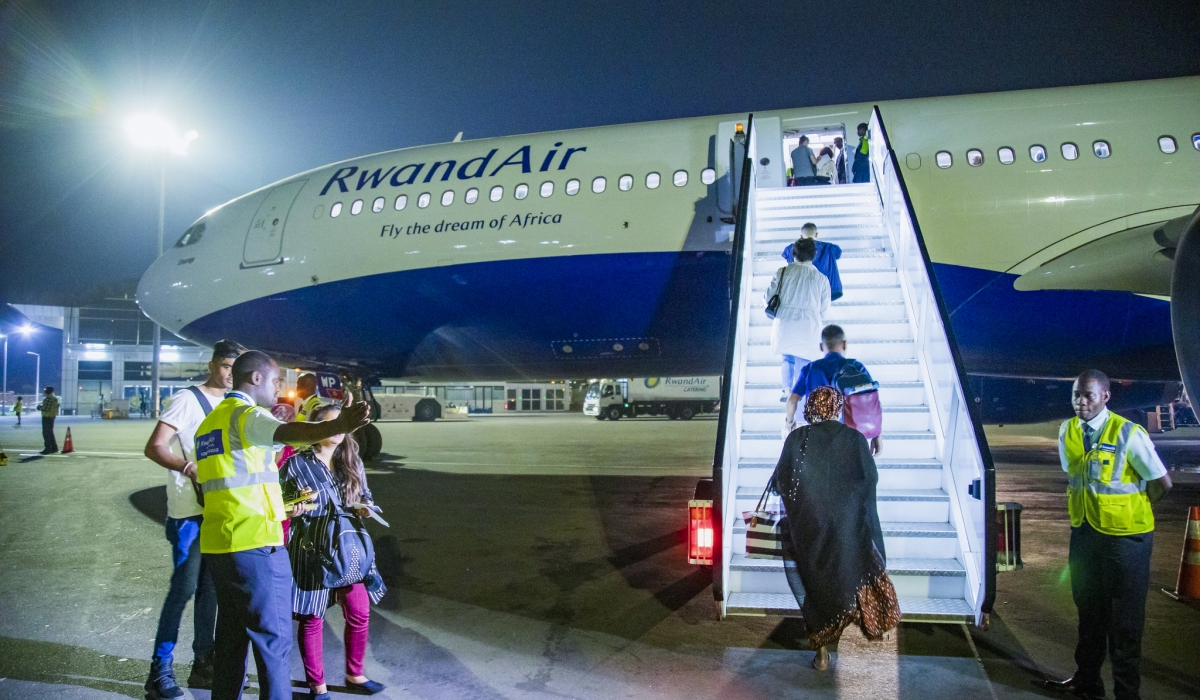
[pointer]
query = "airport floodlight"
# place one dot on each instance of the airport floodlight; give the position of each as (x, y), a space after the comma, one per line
(26, 330)
(151, 132)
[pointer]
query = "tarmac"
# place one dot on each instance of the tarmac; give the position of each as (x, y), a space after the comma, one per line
(543, 557)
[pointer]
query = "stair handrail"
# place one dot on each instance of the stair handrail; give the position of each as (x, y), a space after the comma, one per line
(728, 396)
(879, 159)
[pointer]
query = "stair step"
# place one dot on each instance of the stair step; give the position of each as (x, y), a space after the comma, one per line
(912, 578)
(890, 394)
(863, 350)
(898, 370)
(911, 609)
(901, 540)
(895, 474)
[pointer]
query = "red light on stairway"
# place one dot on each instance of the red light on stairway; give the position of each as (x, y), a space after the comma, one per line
(700, 533)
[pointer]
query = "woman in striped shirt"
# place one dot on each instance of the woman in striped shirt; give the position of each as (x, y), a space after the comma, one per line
(333, 471)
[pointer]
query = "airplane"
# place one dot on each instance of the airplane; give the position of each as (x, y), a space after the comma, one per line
(1052, 218)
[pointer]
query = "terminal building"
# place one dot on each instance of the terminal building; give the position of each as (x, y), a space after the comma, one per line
(107, 348)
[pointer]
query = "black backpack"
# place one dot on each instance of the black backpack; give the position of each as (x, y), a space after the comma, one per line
(853, 378)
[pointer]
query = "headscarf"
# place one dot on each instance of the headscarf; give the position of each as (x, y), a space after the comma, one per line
(824, 403)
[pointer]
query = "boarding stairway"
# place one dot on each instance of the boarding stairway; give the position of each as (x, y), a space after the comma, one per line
(934, 461)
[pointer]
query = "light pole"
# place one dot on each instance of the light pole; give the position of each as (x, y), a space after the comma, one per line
(4, 391)
(152, 132)
(37, 375)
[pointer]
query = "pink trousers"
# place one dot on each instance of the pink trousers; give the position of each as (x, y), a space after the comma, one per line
(356, 608)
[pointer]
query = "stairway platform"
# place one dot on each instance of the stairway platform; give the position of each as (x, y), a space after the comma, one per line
(911, 609)
(880, 463)
(752, 493)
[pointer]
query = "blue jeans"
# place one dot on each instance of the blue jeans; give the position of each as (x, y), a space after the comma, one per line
(791, 371)
(190, 578)
(255, 592)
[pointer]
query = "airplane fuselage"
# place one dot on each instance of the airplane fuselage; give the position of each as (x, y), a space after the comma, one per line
(425, 271)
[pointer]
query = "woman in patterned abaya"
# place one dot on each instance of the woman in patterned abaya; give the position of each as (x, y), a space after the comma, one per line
(826, 477)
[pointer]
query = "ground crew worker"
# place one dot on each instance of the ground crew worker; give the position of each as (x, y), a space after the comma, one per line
(49, 409)
(861, 169)
(1114, 477)
(307, 397)
(241, 535)
(18, 408)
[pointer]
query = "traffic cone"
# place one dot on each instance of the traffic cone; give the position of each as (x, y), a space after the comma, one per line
(68, 448)
(1188, 586)
(3, 459)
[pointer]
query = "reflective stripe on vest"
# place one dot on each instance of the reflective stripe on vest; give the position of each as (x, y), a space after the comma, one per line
(243, 504)
(1101, 488)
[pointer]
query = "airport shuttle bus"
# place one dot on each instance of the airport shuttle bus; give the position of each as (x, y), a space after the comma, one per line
(1004, 242)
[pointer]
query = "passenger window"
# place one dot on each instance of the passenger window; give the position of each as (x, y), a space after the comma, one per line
(401, 202)
(1037, 154)
(356, 207)
(471, 196)
(423, 200)
(496, 193)
(708, 176)
(1166, 144)
(652, 181)
(1006, 155)
(336, 210)
(944, 159)
(1101, 149)
(546, 189)
(679, 178)
(599, 184)
(522, 191)
(447, 198)
(974, 157)
(625, 183)
(572, 186)
(1070, 151)
(377, 205)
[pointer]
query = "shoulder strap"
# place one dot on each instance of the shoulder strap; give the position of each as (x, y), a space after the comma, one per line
(204, 404)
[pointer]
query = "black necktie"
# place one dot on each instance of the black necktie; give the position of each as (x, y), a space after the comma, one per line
(1087, 437)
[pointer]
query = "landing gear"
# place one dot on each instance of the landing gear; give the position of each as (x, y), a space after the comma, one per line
(370, 442)
(614, 413)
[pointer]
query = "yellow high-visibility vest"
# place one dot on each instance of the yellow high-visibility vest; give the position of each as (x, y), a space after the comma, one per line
(243, 504)
(1102, 487)
(310, 404)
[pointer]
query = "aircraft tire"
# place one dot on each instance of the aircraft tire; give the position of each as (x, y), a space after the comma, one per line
(370, 441)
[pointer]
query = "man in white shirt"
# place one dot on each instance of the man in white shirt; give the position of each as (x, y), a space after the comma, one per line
(172, 446)
(1115, 477)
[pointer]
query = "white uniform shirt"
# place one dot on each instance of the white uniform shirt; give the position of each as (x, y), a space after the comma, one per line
(184, 414)
(1140, 453)
(803, 301)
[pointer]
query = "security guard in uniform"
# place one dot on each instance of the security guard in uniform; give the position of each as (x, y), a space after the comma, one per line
(1114, 475)
(308, 398)
(241, 536)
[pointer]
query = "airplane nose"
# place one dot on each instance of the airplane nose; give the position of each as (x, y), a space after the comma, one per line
(152, 292)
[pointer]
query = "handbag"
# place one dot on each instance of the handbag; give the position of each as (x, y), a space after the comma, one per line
(862, 410)
(763, 535)
(774, 302)
(347, 552)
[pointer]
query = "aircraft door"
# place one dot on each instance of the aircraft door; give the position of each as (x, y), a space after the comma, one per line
(264, 238)
(768, 144)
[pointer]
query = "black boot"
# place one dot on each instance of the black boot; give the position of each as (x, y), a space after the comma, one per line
(202, 673)
(161, 683)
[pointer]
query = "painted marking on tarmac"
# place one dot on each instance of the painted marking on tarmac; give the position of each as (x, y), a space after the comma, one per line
(979, 660)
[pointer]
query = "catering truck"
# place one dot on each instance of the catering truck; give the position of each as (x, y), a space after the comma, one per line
(673, 397)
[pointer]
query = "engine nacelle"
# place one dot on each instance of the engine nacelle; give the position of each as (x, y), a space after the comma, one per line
(1185, 304)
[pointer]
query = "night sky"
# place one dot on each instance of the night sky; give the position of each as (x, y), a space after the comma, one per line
(285, 87)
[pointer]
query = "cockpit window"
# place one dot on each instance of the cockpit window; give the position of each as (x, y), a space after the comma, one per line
(190, 236)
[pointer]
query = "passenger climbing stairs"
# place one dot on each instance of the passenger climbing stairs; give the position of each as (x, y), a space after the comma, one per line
(933, 522)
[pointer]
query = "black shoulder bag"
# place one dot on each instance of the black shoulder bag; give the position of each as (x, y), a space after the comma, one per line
(347, 552)
(773, 303)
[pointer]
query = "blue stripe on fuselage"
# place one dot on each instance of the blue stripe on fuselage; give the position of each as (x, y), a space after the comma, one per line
(651, 314)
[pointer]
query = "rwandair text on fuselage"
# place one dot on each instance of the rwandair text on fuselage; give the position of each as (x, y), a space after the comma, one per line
(399, 176)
